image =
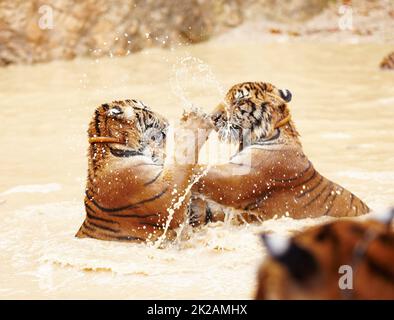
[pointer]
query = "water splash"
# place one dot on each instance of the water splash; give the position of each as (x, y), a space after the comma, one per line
(177, 205)
(189, 72)
(33, 188)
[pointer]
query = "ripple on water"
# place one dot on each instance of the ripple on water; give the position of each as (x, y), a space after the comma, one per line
(40, 242)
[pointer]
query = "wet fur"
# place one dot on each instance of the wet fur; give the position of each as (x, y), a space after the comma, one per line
(129, 186)
(281, 179)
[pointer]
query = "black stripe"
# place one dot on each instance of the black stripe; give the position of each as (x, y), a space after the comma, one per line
(129, 238)
(154, 179)
(263, 107)
(90, 179)
(254, 204)
(274, 137)
(351, 200)
(92, 184)
(305, 181)
(152, 224)
(296, 177)
(97, 122)
(140, 121)
(356, 207)
(87, 206)
(133, 215)
(331, 204)
(130, 206)
(97, 133)
(272, 144)
(208, 214)
(121, 238)
(124, 153)
(87, 234)
(87, 227)
(379, 270)
(102, 227)
(366, 208)
(241, 165)
(317, 196)
(90, 216)
(257, 202)
(90, 212)
(328, 195)
(386, 239)
(311, 189)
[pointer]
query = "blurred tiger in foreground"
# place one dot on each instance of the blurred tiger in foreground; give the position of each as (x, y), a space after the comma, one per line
(388, 62)
(278, 178)
(339, 260)
(131, 188)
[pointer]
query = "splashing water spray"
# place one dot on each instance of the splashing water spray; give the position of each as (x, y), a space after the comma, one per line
(189, 70)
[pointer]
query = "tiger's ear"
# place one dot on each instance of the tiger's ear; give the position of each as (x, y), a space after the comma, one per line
(285, 95)
(300, 262)
(385, 217)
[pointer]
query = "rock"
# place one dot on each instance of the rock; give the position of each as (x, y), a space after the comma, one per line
(103, 27)
(288, 11)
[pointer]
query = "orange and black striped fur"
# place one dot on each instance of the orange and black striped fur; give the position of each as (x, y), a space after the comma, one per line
(388, 62)
(130, 189)
(310, 265)
(278, 179)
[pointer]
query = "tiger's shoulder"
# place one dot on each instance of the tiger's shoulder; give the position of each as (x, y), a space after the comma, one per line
(125, 172)
(270, 175)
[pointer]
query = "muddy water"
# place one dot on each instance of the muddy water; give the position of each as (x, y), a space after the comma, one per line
(343, 107)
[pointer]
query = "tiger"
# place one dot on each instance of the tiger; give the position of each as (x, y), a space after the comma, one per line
(278, 178)
(132, 186)
(388, 62)
(344, 259)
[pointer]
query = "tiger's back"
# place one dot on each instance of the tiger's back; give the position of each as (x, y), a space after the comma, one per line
(116, 206)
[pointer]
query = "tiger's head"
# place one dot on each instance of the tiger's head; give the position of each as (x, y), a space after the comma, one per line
(255, 107)
(310, 265)
(125, 128)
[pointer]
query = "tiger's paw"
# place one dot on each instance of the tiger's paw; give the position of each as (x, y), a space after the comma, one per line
(195, 118)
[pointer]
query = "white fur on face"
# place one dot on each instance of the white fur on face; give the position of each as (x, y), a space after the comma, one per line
(129, 113)
(114, 112)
